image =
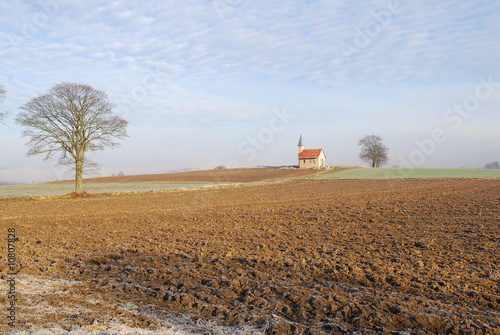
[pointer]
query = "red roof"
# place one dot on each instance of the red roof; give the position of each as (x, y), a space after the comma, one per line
(310, 153)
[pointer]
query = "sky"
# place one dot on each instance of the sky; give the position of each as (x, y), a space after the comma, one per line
(205, 83)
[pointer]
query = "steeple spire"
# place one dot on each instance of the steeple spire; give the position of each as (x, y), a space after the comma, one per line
(300, 145)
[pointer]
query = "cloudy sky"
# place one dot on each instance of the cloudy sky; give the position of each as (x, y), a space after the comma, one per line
(235, 82)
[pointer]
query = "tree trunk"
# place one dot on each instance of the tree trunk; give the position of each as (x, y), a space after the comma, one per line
(79, 174)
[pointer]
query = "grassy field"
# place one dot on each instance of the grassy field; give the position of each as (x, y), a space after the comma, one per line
(61, 188)
(394, 173)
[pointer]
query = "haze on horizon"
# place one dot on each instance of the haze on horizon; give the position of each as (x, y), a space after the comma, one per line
(207, 83)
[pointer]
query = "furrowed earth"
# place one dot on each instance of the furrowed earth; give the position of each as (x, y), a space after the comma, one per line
(296, 257)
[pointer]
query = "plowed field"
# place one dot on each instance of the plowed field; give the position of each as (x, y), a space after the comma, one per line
(301, 257)
(217, 176)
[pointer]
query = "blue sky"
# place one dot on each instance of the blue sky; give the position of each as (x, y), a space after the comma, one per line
(235, 82)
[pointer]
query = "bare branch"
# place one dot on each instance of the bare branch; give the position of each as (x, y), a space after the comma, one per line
(2, 97)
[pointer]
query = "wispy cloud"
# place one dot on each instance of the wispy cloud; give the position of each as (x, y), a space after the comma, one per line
(287, 39)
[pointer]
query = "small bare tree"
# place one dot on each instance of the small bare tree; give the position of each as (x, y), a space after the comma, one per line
(71, 119)
(373, 151)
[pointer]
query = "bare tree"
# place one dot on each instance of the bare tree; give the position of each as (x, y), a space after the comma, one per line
(492, 165)
(373, 151)
(71, 119)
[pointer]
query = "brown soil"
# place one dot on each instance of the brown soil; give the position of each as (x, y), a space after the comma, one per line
(303, 257)
(217, 176)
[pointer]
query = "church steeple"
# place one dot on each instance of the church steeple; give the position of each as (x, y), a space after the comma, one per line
(300, 145)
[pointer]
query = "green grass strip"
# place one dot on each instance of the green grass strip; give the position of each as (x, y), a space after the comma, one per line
(399, 173)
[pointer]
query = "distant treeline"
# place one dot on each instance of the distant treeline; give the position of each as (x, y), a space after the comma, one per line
(492, 165)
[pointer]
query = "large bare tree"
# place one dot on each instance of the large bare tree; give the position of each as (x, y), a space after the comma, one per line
(71, 119)
(373, 151)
